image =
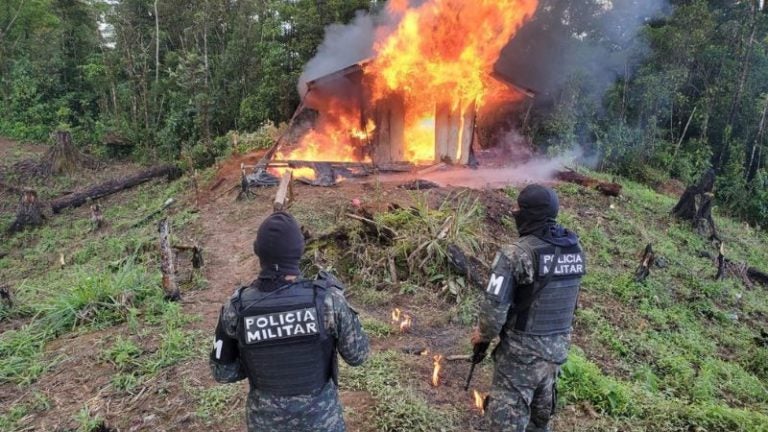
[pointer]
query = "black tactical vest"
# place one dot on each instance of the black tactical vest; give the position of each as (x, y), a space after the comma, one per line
(284, 346)
(556, 295)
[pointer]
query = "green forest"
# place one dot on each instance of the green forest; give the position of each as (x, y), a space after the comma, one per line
(168, 78)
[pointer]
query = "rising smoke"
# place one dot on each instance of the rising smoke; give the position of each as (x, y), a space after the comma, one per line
(597, 39)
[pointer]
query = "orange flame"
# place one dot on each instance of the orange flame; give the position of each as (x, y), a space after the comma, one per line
(439, 54)
(396, 315)
(436, 370)
(479, 401)
(405, 324)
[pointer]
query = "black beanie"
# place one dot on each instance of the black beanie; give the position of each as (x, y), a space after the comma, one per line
(279, 245)
(538, 209)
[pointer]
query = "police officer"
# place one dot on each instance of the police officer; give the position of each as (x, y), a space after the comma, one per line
(530, 303)
(282, 332)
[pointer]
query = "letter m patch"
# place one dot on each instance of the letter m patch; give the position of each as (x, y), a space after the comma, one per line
(495, 284)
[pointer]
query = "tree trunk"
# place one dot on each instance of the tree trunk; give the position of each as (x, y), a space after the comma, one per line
(722, 157)
(113, 186)
(157, 45)
(167, 263)
(750, 173)
(64, 158)
(29, 214)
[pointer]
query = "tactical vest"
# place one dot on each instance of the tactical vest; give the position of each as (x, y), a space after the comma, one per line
(552, 310)
(284, 346)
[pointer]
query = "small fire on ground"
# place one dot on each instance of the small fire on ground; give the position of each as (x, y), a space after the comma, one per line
(436, 370)
(402, 320)
(480, 401)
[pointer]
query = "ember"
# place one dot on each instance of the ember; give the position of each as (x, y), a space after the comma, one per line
(396, 315)
(436, 370)
(480, 401)
(402, 320)
(405, 324)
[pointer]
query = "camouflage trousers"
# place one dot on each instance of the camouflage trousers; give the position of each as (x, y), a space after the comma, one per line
(303, 413)
(523, 396)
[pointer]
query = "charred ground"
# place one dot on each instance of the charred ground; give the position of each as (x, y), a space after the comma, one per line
(92, 345)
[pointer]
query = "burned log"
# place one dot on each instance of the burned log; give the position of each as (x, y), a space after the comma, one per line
(113, 186)
(29, 214)
(695, 205)
(6, 296)
(468, 266)
(744, 271)
(168, 262)
(571, 176)
(644, 269)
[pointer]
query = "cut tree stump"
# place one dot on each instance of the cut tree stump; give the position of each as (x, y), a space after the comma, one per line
(695, 205)
(167, 262)
(29, 214)
(97, 217)
(6, 296)
(284, 194)
(63, 157)
(113, 186)
(647, 260)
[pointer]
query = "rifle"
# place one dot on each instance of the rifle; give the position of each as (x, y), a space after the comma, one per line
(478, 354)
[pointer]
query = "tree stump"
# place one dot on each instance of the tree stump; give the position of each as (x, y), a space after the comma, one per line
(168, 262)
(695, 205)
(29, 213)
(644, 269)
(6, 296)
(64, 158)
(97, 217)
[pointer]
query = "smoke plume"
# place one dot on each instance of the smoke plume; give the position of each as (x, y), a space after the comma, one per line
(597, 39)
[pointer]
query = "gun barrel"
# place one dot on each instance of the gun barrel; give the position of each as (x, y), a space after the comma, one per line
(469, 378)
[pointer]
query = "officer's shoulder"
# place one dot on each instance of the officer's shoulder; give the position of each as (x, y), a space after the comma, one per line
(516, 250)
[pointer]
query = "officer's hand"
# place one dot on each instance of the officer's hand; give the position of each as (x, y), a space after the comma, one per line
(478, 351)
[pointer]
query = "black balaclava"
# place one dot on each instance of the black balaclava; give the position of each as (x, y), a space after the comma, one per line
(538, 217)
(538, 210)
(279, 245)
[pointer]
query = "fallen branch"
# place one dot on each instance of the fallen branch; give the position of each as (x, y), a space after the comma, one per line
(113, 186)
(744, 271)
(468, 266)
(459, 357)
(168, 203)
(374, 228)
(571, 176)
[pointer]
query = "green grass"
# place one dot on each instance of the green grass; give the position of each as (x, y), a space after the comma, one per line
(397, 407)
(681, 344)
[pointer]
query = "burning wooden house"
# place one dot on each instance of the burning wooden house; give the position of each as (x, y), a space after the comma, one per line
(416, 101)
(340, 120)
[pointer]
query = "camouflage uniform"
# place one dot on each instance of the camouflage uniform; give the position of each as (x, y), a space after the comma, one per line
(526, 366)
(312, 412)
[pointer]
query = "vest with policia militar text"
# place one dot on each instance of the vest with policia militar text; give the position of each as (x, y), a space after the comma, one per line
(284, 346)
(547, 306)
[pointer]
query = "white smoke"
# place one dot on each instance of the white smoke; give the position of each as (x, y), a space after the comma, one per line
(344, 45)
